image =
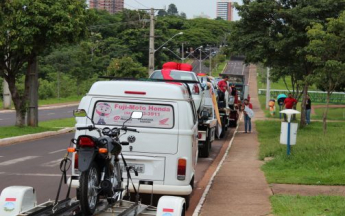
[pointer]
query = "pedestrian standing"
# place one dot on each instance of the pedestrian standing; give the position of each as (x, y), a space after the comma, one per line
(308, 109)
(248, 115)
(222, 88)
(289, 103)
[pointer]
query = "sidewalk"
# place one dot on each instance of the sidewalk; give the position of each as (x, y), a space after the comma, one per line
(240, 187)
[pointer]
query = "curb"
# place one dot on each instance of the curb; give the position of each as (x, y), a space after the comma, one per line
(208, 187)
(30, 137)
(44, 107)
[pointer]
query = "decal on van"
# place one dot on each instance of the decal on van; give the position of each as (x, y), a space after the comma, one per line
(115, 113)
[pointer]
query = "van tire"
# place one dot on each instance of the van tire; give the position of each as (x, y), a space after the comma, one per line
(187, 197)
(205, 151)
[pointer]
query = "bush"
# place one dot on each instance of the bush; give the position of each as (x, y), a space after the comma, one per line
(46, 89)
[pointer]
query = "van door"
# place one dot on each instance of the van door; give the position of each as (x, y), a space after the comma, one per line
(158, 128)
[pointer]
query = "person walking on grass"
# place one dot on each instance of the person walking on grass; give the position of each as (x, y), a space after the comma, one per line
(248, 115)
(289, 103)
(307, 109)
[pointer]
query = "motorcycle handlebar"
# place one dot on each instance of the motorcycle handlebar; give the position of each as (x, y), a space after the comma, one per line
(90, 127)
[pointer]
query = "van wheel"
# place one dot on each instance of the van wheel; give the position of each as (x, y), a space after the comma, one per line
(205, 151)
(187, 198)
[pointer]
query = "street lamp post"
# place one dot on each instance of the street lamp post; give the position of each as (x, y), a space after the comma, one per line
(153, 51)
(181, 58)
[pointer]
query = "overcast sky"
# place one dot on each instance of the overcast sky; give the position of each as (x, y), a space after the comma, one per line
(190, 7)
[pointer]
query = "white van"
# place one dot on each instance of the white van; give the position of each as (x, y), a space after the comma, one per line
(166, 148)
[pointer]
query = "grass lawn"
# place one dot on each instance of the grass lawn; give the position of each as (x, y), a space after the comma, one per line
(333, 114)
(53, 125)
(219, 70)
(308, 205)
(53, 101)
(316, 159)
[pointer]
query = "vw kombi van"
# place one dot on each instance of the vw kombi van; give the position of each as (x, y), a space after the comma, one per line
(166, 148)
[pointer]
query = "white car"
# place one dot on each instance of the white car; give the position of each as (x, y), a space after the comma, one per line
(197, 89)
(166, 148)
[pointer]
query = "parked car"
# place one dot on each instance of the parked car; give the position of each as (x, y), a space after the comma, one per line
(166, 148)
(197, 89)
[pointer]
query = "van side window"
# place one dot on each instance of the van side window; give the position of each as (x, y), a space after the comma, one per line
(194, 111)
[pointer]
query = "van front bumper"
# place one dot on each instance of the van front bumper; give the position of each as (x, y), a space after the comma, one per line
(157, 189)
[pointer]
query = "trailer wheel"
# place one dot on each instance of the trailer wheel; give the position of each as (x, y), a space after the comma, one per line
(205, 151)
(89, 196)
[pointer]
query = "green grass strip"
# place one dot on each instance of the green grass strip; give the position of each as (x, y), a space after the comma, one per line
(53, 125)
(316, 159)
(308, 205)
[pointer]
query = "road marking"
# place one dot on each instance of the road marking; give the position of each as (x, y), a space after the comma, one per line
(1, 156)
(70, 111)
(32, 174)
(51, 114)
(53, 152)
(53, 163)
(18, 160)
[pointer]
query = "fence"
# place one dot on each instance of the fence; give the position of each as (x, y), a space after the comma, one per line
(315, 96)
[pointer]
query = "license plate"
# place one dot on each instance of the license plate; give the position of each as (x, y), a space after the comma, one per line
(140, 168)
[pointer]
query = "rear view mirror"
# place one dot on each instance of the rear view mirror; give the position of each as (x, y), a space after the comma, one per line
(79, 113)
(136, 115)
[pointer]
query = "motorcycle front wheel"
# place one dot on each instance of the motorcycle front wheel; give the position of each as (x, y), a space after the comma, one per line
(89, 187)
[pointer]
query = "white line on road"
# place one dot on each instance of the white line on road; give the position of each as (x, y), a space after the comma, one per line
(32, 174)
(70, 111)
(53, 152)
(53, 163)
(18, 160)
(51, 114)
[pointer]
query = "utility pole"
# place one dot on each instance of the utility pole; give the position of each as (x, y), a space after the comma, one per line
(32, 117)
(200, 61)
(210, 63)
(152, 42)
(182, 54)
(268, 87)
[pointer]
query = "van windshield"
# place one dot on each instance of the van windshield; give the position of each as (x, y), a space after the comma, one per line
(116, 113)
(176, 75)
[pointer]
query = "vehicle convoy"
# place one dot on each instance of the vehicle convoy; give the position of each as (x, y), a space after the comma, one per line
(165, 151)
(207, 121)
(99, 164)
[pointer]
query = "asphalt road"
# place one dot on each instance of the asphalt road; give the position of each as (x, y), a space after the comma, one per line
(237, 67)
(36, 164)
(8, 118)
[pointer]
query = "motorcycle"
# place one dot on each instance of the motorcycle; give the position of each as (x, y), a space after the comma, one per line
(99, 163)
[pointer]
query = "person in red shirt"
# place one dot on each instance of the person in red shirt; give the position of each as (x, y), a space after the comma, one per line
(223, 84)
(222, 88)
(289, 103)
(247, 116)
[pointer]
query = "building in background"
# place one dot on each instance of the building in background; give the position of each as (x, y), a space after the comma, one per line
(202, 15)
(225, 10)
(112, 6)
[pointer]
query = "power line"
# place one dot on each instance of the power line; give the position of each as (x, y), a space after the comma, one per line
(140, 3)
(131, 6)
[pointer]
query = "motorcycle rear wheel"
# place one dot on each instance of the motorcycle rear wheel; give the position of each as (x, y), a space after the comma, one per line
(89, 184)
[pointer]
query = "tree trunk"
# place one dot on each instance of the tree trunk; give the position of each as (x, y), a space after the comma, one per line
(325, 113)
(19, 100)
(303, 122)
(32, 118)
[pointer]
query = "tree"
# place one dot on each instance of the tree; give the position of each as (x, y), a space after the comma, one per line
(327, 52)
(183, 15)
(274, 32)
(126, 67)
(30, 27)
(161, 13)
(172, 10)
